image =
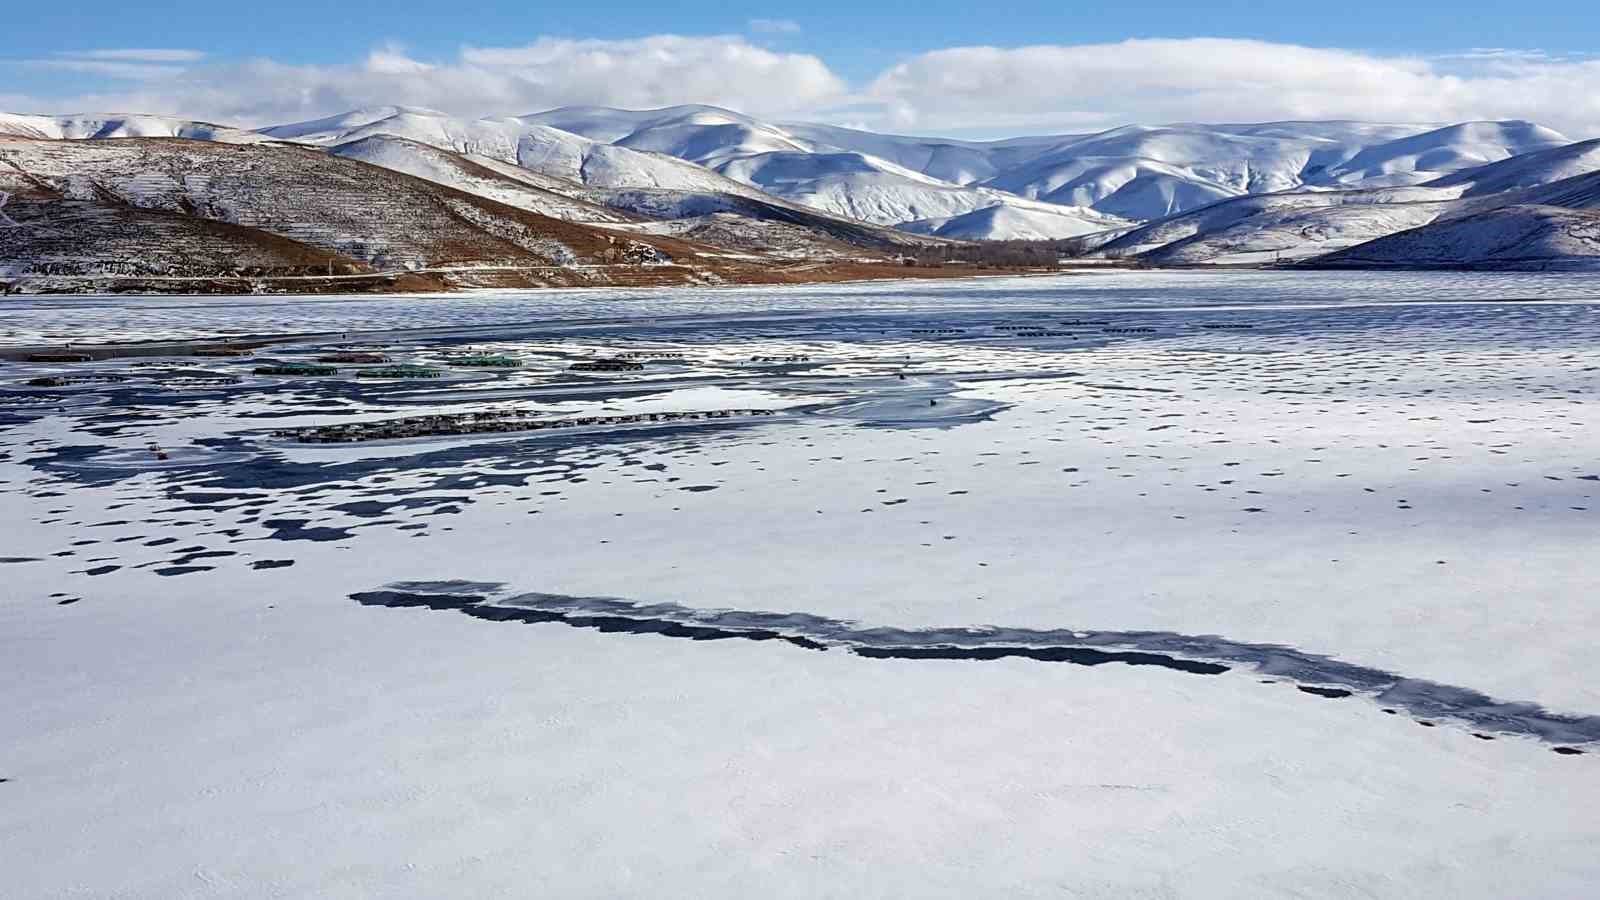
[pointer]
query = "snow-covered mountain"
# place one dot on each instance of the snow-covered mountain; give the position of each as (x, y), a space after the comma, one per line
(1525, 171)
(532, 165)
(1520, 237)
(1019, 221)
(1287, 225)
(1044, 187)
(296, 196)
(1420, 158)
(882, 179)
(1148, 173)
(958, 162)
(1135, 172)
(702, 151)
(1305, 224)
(92, 126)
(508, 184)
(1312, 222)
(163, 213)
(1185, 194)
(527, 144)
(873, 190)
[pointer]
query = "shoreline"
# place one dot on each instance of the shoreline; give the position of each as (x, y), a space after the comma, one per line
(437, 280)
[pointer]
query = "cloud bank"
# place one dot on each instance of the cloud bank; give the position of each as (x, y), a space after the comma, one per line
(993, 90)
(1226, 80)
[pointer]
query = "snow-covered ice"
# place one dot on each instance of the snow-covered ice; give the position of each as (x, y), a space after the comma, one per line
(1118, 584)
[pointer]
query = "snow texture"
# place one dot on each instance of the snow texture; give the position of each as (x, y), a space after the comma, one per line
(1218, 584)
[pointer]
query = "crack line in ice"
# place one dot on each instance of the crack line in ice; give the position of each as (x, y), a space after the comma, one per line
(1313, 673)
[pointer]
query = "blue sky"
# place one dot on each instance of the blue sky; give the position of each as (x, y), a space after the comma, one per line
(843, 57)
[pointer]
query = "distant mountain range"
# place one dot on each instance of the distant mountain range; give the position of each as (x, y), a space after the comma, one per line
(720, 183)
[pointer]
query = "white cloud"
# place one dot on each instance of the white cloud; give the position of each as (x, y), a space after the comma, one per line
(130, 64)
(127, 71)
(152, 55)
(1218, 79)
(986, 90)
(773, 26)
(660, 70)
(391, 59)
(1498, 53)
(663, 70)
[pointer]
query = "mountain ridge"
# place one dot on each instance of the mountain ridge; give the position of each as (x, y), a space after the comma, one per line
(1180, 194)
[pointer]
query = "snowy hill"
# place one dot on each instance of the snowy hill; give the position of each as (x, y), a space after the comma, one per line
(530, 145)
(1135, 172)
(88, 126)
(1019, 221)
(958, 162)
(1183, 194)
(883, 179)
(872, 190)
(1525, 171)
(1134, 188)
(799, 164)
(1306, 223)
(1028, 187)
(533, 167)
(1519, 237)
(506, 184)
(702, 150)
(528, 154)
(609, 125)
(88, 207)
(1577, 192)
(1291, 232)
(1423, 157)
(1148, 173)
(1260, 228)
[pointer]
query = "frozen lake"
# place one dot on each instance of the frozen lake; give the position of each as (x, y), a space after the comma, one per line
(1123, 584)
(42, 320)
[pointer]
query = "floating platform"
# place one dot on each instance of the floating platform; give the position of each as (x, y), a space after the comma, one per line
(485, 362)
(71, 380)
(490, 422)
(355, 358)
(606, 365)
(307, 369)
(401, 371)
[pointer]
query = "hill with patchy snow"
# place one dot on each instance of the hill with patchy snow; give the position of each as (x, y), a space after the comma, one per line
(1264, 228)
(511, 185)
(536, 164)
(1030, 188)
(163, 207)
(1520, 237)
(1186, 194)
